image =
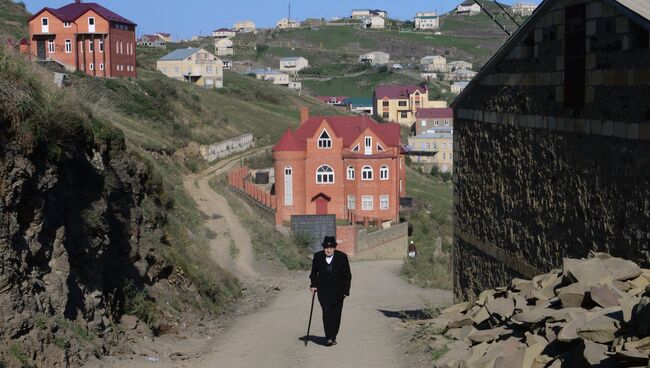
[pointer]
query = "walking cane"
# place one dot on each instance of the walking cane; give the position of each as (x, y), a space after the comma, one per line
(311, 311)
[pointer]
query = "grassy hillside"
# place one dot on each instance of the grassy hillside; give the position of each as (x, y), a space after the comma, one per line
(13, 20)
(481, 24)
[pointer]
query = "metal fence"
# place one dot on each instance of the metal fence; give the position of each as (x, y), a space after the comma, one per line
(314, 228)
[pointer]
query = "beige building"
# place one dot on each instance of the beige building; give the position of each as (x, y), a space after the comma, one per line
(293, 63)
(426, 21)
(399, 103)
(435, 149)
(523, 9)
(458, 87)
(193, 65)
(286, 23)
(224, 47)
(167, 37)
(433, 64)
(244, 26)
(271, 75)
(373, 22)
(223, 33)
(468, 7)
(459, 64)
(461, 75)
(375, 58)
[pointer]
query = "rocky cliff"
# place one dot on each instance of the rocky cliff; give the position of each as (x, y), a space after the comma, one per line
(79, 220)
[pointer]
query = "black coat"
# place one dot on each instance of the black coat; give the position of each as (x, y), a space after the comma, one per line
(332, 285)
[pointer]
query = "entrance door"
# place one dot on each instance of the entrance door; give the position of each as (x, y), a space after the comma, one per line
(321, 206)
(40, 49)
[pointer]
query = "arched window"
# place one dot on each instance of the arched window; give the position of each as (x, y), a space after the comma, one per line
(366, 173)
(324, 141)
(350, 173)
(325, 175)
(383, 173)
(288, 186)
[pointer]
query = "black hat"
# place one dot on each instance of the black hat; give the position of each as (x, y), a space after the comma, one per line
(329, 241)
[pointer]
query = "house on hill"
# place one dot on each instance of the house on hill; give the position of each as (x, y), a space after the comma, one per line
(293, 63)
(244, 26)
(426, 21)
(375, 58)
(523, 9)
(286, 23)
(86, 37)
(552, 140)
(223, 33)
(193, 65)
(152, 41)
(432, 149)
(373, 22)
(433, 120)
(347, 166)
(461, 75)
(224, 47)
(458, 87)
(271, 75)
(167, 37)
(365, 13)
(359, 105)
(469, 7)
(433, 64)
(400, 102)
(459, 64)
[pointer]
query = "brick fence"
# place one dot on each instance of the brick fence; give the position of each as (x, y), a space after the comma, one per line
(239, 179)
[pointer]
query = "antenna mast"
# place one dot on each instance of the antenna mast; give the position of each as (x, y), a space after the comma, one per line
(289, 19)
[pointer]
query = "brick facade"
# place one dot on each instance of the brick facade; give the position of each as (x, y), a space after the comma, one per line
(551, 142)
(80, 37)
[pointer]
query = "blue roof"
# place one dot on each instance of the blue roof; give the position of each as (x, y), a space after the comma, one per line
(358, 101)
(180, 54)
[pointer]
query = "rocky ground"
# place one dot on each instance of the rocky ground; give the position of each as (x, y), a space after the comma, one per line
(592, 312)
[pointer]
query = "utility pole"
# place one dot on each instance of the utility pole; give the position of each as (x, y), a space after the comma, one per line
(289, 19)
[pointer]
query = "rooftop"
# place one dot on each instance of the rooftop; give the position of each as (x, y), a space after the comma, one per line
(291, 58)
(435, 113)
(180, 54)
(73, 11)
(398, 91)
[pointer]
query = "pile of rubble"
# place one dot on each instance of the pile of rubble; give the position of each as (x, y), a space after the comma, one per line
(593, 312)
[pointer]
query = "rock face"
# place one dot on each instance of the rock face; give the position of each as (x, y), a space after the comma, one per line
(593, 312)
(72, 226)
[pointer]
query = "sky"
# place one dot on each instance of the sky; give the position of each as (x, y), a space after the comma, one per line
(187, 18)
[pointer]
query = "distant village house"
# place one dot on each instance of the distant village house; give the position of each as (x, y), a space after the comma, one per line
(86, 37)
(459, 64)
(400, 102)
(271, 75)
(224, 47)
(375, 58)
(373, 22)
(364, 13)
(359, 105)
(286, 23)
(223, 33)
(426, 21)
(244, 26)
(433, 64)
(458, 87)
(293, 63)
(469, 7)
(167, 37)
(523, 9)
(193, 65)
(152, 41)
(433, 120)
(461, 75)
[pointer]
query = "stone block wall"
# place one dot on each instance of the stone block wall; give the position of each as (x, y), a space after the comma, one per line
(538, 179)
(388, 243)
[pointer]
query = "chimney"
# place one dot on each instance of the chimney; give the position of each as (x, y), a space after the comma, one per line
(304, 114)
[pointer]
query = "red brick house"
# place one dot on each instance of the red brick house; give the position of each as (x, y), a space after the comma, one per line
(349, 166)
(85, 37)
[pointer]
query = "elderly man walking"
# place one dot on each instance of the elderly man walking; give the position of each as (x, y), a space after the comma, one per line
(330, 278)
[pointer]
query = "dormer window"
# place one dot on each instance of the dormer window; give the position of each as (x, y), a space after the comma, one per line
(379, 147)
(368, 146)
(324, 141)
(356, 148)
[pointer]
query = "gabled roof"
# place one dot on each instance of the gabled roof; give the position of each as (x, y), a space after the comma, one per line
(349, 128)
(224, 30)
(180, 54)
(71, 12)
(288, 142)
(164, 34)
(468, 3)
(358, 101)
(435, 113)
(637, 10)
(397, 92)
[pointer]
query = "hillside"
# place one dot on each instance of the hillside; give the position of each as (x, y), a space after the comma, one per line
(13, 20)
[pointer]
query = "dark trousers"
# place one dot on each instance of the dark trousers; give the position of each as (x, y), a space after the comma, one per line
(332, 318)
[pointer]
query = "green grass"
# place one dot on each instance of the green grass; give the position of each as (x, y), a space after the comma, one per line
(360, 86)
(330, 37)
(13, 20)
(431, 218)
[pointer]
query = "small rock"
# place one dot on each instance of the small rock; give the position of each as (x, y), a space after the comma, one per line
(480, 316)
(456, 308)
(129, 322)
(459, 333)
(502, 307)
(572, 295)
(594, 353)
(479, 336)
(642, 345)
(570, 331)
(605, 295)
(600, 329)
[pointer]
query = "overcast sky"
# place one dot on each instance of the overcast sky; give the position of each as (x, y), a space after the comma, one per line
(187, 18)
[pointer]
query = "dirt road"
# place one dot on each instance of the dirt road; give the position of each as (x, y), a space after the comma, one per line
(371, 335)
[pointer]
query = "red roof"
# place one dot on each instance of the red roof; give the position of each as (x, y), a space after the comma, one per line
(346, 127)
(435, 113)
(71, 12)
(397, 92)
(288, 142)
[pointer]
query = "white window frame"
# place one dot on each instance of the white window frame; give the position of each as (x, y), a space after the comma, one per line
(366, 173)
(384, 202)
(68, 46)
(383, 172)
(92, 25)
(351, 173)
(288, 186)
(352, 202)
(366, 203)
(326, 176)
(101, 46)
(324, 143)
(367, 144)
(101, 66)
(67, 24)
(45, 25)
(51, 47)
(91, 66)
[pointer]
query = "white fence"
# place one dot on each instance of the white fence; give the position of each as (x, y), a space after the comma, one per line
(228, 147)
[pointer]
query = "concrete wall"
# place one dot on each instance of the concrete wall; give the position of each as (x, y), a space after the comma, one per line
(538, 178)
(388, 243)
(228, 147)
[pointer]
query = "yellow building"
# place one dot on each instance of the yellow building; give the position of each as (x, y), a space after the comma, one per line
(399, 103)
(433, 149)
(193, 65)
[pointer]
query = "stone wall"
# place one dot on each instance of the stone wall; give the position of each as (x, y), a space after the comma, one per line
(388, 243)
(228, 147)
(538, 177)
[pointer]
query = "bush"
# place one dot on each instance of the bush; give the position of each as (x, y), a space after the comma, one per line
(136, 303)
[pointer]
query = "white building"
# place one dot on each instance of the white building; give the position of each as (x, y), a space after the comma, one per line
(461, 75)
(468, 7)
(433, 64)
(295, 85)
(286, 23)
(271, 75)
(223, 47)
(364, 13)
(426, 21)
(375, 58)
(459, 64)
(223, 33)
(373, 22)
(523, 9)
(244, 26)
(458, 87)
(293, 63)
